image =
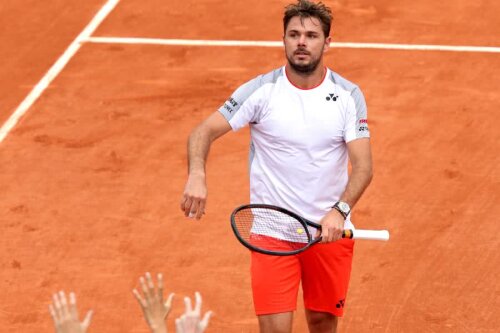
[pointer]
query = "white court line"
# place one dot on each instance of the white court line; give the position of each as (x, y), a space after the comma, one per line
(194, 42)
(56, 69)
(84, 37)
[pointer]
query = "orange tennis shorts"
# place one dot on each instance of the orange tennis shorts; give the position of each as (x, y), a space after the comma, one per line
(324, 270)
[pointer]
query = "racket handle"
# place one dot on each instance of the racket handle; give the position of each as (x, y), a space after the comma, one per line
(382, 235)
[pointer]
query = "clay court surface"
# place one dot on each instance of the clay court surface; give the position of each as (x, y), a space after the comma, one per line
(92, 175)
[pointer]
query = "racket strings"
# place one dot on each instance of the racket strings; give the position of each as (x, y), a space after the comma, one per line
(270, 230)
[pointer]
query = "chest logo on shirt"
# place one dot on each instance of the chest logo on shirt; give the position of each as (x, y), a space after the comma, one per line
(332, 97)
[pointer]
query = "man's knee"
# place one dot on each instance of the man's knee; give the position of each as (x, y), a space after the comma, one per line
(321, 322)
(276, 323)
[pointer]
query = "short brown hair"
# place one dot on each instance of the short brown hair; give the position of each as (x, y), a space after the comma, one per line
(305, 9)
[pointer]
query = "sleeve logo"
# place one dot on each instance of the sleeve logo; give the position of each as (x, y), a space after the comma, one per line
(363, 125)
(230, 105)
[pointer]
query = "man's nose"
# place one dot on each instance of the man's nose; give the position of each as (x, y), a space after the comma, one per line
(302, 40)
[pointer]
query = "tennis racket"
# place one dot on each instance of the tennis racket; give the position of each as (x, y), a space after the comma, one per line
(277, 231)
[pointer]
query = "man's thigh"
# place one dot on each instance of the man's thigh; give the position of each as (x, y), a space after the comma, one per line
(326, 270)
(275, 283)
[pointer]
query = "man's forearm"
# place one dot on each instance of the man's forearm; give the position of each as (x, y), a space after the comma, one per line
(198, 147)
(359, 180)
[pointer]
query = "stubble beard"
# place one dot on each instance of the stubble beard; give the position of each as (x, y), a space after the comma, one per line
(304, 69)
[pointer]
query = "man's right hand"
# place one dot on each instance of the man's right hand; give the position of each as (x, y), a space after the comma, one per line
(195, 193)
(194, 197)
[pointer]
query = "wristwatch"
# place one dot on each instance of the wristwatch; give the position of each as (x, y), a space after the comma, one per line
(343, 208)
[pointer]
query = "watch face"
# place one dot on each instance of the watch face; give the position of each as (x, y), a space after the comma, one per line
(344, 207)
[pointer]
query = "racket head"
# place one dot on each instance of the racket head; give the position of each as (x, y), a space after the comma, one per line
(271, 230)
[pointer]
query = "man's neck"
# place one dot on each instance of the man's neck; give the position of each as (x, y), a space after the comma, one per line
(306, 80)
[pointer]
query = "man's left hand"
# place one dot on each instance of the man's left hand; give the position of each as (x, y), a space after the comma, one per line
(332, 226)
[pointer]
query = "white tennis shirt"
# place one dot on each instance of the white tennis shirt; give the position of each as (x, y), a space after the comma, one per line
(298, 153)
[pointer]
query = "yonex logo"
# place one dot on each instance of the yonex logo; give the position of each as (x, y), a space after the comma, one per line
(340, 304)
(332, 97)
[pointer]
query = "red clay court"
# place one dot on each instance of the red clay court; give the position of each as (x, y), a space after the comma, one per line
(92, 174)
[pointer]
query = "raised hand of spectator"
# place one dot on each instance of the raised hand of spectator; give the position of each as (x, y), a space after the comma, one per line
(65, 315)
(190, 321)
(154, 308)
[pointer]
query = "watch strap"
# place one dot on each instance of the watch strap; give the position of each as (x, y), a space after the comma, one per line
(337, 208)
(341, 212)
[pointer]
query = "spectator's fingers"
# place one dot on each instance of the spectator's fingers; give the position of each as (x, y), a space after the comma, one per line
(57, 306)
(87, 319)
(139, 299)
(197, 304)
(52, 312)
(151, 285)
(144, 288)
(160, 287)
(204, 322)
(178, 326)
(64, 304)
(72, 306)
(168, 303)
(187, 302)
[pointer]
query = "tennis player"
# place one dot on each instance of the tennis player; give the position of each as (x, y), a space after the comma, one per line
(306, 122)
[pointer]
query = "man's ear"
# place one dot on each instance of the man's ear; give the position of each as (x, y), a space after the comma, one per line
(328, 40)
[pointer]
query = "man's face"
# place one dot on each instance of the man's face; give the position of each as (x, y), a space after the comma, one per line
(305, 43)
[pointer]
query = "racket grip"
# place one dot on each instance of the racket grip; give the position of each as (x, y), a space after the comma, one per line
(380, 235)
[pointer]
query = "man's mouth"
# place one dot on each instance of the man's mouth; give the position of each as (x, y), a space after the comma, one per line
(301, 53)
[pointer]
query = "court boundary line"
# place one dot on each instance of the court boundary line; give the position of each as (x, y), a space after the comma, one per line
(86, 37)
(56, 68)
(248, 43)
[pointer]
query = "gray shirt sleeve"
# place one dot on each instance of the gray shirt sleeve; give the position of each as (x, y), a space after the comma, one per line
(356, 113)
(241, 99)
(233, 104)
(358, 124)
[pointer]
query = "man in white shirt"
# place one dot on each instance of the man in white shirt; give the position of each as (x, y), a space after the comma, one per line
(306, 121)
